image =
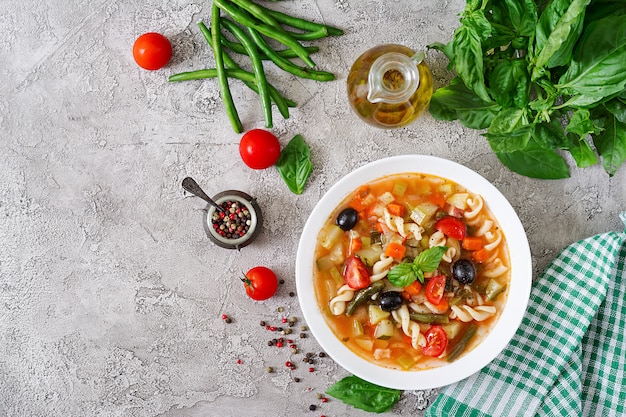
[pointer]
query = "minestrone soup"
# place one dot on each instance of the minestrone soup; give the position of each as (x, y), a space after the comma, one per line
(412, 271)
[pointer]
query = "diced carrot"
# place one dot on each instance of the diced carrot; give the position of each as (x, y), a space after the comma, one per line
(480, 255)
(395, 209)
(472, 243)
(395, 250)
(438, 199)
(414, 288)
(358, 201)
(355, 245)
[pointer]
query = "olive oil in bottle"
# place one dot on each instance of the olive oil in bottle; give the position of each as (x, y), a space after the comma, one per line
(389, 86)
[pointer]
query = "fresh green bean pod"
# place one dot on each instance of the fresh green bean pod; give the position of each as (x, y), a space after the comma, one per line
(287, 65)
(285, 53)
(310, 36)
(222, 79)
(282, 103)
(363, 295)
(302, 24)
(258, 12)
(246, 19)
(257, 66)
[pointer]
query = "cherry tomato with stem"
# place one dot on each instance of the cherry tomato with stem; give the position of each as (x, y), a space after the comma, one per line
(260, 283)
(356, 274)
(259, 149)
(435, 289)
(436, 341)
(152, 51)
(452, 227)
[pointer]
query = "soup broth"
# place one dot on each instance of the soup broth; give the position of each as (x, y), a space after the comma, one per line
(412, 271)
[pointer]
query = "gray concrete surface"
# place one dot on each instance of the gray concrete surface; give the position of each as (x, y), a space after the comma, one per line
(111, 295)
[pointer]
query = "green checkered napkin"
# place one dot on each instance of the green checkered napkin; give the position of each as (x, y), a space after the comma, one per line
(568, 357)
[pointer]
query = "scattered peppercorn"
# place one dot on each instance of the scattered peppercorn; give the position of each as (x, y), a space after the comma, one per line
(322, 355)
(282, 281)
(262, 323)
(311, 369)
(324, 399)
(292, 294)
(239, 361)
(304, 328)
(312, 407)
(280, 309)
(269, 369)
(296, 379)
(302, 335)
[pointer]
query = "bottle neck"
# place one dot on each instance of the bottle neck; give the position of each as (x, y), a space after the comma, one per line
(393, 78)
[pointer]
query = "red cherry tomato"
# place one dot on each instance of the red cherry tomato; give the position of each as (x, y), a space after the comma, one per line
(259, 149)
(260, 283)
(451, 226)
(435, 289)
(152, 51)
(356, 274)
(436, 341)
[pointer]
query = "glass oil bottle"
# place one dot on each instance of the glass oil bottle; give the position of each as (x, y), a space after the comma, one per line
(389, 86)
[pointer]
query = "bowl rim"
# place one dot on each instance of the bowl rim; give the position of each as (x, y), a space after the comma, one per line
(510, 318)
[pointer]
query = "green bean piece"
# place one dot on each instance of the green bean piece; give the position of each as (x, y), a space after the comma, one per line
(257, 67)
(302, 24)
(430, 318)
(462, 341)
(282, 103)
(363, 295)
(245, 19)
(287, 65)
(222, 79)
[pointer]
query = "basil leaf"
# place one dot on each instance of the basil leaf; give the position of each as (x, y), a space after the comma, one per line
(611, 144)
(566, 29)
(294, 164)
(468, 60)
(581, 151)
(402, 275)
(535, 161)
(429, 260)
(597, 67)
(618, 108)
(550, 135)
(364, 395)
(456, 101)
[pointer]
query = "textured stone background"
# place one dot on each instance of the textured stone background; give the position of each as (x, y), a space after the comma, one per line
(110, 293)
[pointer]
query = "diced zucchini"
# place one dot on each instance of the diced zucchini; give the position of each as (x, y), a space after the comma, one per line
(324, 263)
(422, 187)
(365, 343)
(384, 330)
(334, 272)
(458, 200)
(357, 328)
(331, 236)
(399, 188)
(336, 254)
(494, 288)
(376, 314)
(370, 255)
(423, 212)
(386, 198)
(447, 189)
(452, 329)
(366, 242)
(406, 361)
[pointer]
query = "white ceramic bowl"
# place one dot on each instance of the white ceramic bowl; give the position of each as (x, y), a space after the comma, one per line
(496, 340)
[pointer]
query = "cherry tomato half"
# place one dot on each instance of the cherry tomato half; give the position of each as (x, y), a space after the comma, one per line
(259, 149)
(436, 341)
(260, 283)
(435, 289)
(356, 274)
(152, 51)
(452, 227)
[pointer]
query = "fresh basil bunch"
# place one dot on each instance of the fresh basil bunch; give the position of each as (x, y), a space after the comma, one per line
(541, 78)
